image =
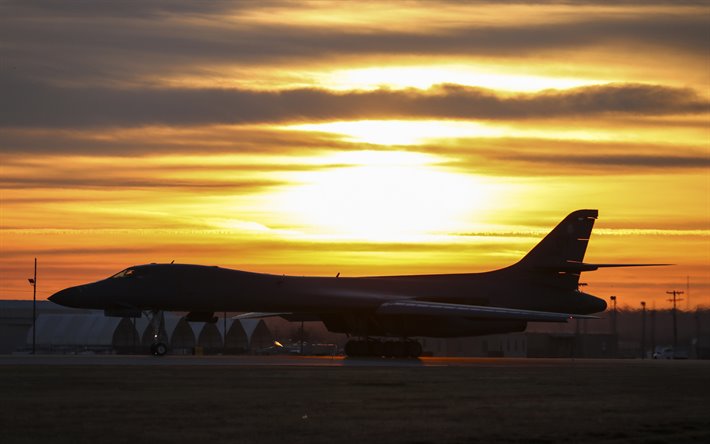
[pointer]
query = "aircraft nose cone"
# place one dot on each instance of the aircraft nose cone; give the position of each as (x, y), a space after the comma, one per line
(68, 297)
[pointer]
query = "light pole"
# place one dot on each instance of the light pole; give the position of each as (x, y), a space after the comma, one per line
(33, 282)
(615, 338)
(643, 330)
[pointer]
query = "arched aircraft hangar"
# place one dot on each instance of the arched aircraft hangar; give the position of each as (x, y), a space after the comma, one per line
(82, 331)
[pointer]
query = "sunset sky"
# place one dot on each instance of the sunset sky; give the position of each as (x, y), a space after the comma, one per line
(361, 138)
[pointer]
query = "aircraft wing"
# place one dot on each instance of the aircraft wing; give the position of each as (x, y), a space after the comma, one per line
(414, 307)
(427, 308)
(289, 316)
(258, 315)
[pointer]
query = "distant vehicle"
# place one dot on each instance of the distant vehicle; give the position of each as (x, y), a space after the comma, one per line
(295, 349)
(273, 350)
(669, 353)
(663, 353)
(542, 287)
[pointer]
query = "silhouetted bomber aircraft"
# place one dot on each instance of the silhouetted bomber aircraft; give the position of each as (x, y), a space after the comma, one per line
(543, 286)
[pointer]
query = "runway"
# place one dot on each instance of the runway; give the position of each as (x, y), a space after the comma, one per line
(275, 399)
(325, 361)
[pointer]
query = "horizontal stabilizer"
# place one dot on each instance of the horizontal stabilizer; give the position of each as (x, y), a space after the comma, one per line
(425, 308)
(578, 267)
(629, 265)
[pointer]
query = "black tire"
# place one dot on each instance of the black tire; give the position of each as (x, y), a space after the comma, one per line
(414, 349)
(356, 348)
(388, 349)
(400, 349)
(375, 348)
(158, 349)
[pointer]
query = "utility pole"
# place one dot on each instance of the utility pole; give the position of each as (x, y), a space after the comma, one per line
(33, 282)
(675, 299)
(643, 330)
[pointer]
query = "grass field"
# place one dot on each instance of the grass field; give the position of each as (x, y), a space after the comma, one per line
(565, 401)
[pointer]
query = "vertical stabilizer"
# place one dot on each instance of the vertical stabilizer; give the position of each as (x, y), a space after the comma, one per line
(565, 244)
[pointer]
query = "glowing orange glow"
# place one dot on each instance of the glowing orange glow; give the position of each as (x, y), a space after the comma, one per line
(427, 76)
(314, 138)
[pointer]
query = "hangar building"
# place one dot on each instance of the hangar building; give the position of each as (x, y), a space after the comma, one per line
(66, 330)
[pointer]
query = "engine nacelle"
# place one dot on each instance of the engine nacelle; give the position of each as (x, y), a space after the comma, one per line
(123, 313)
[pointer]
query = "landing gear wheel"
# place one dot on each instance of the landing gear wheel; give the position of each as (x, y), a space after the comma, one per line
(356, 348)
(414, 349)
(158, 349)
(388, 349)
(375, 348)
(399, 349)
(350, 348)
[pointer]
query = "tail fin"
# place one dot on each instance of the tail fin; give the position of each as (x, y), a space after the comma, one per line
(558, 259)
(564, 245)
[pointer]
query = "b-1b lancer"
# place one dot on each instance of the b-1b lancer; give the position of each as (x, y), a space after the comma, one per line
(542, 287)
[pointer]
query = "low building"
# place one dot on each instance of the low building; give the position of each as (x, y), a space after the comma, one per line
(66, 330)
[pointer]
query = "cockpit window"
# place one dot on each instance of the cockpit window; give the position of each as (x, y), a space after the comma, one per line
(128, 272)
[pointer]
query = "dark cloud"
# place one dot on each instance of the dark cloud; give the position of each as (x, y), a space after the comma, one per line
(160, 140)
(123, 183)
(134, 9)
(626, 161)
(531, 157)
(128, 41)
(27, 105)
(75, 251)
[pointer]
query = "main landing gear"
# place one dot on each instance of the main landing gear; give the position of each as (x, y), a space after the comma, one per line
(157, 320)
(388, 349)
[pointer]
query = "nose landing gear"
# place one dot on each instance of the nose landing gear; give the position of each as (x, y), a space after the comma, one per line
(157, 321)
(158, 349)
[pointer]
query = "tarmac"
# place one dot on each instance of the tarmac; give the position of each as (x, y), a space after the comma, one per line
(89, 398)
(323, 361)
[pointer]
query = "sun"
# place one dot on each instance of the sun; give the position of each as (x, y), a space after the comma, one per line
(400, 132)
(384, 196)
